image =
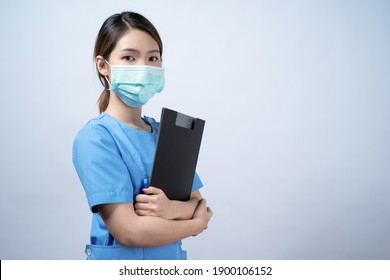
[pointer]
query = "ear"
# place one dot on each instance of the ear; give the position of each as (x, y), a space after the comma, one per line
(102, 66)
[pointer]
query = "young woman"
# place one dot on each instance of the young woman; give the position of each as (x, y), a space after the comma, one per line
(114, 152)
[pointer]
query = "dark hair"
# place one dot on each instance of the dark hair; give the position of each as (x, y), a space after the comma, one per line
(111, 31)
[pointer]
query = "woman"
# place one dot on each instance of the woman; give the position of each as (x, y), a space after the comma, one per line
(114, 152)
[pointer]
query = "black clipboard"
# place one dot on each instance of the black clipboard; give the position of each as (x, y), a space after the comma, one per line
(176, 155)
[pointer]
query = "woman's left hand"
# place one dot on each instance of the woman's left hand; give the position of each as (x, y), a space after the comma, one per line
(154, 203)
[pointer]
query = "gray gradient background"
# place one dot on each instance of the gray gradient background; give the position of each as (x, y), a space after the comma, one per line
(295, 94)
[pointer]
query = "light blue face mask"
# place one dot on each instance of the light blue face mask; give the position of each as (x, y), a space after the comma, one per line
(136, 85)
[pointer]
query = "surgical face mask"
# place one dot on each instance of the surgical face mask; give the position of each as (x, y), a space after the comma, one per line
(136, 85)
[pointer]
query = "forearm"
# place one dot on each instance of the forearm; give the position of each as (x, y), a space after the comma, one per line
(155, 231)
(183, 210)
(130, 229)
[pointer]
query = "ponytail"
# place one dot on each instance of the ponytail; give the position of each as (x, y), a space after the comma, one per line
(103, 100)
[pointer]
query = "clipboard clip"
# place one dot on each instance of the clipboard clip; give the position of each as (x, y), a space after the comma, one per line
(185, 121)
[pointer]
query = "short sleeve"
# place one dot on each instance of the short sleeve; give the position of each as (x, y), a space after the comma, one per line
(197, 184)
(100, 167)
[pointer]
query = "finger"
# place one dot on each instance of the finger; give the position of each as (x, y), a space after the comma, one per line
(142, 198)
(142, 206)
(142, 212)
(152, 190)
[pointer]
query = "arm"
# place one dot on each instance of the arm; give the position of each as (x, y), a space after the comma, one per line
(129, 229)
(155, 203)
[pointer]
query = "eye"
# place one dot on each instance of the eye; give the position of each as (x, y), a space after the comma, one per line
(128, 58)
(153, 58)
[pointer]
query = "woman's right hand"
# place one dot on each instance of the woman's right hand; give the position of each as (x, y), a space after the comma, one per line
(203, 214)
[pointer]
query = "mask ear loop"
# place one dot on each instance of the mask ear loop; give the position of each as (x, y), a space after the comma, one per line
(110, 88)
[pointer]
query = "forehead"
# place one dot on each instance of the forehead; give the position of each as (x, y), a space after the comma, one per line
(136, 39)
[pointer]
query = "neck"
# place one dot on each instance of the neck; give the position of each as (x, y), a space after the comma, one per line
(129, 115)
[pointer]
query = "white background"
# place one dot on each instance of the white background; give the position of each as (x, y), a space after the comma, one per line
(295, 156)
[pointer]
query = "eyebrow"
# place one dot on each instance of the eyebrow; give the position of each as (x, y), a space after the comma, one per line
(135, 50)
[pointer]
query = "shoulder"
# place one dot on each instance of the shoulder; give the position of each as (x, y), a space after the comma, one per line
(96, 129)
(94, 141)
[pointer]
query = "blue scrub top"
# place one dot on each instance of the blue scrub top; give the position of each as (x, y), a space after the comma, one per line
(112, 159)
